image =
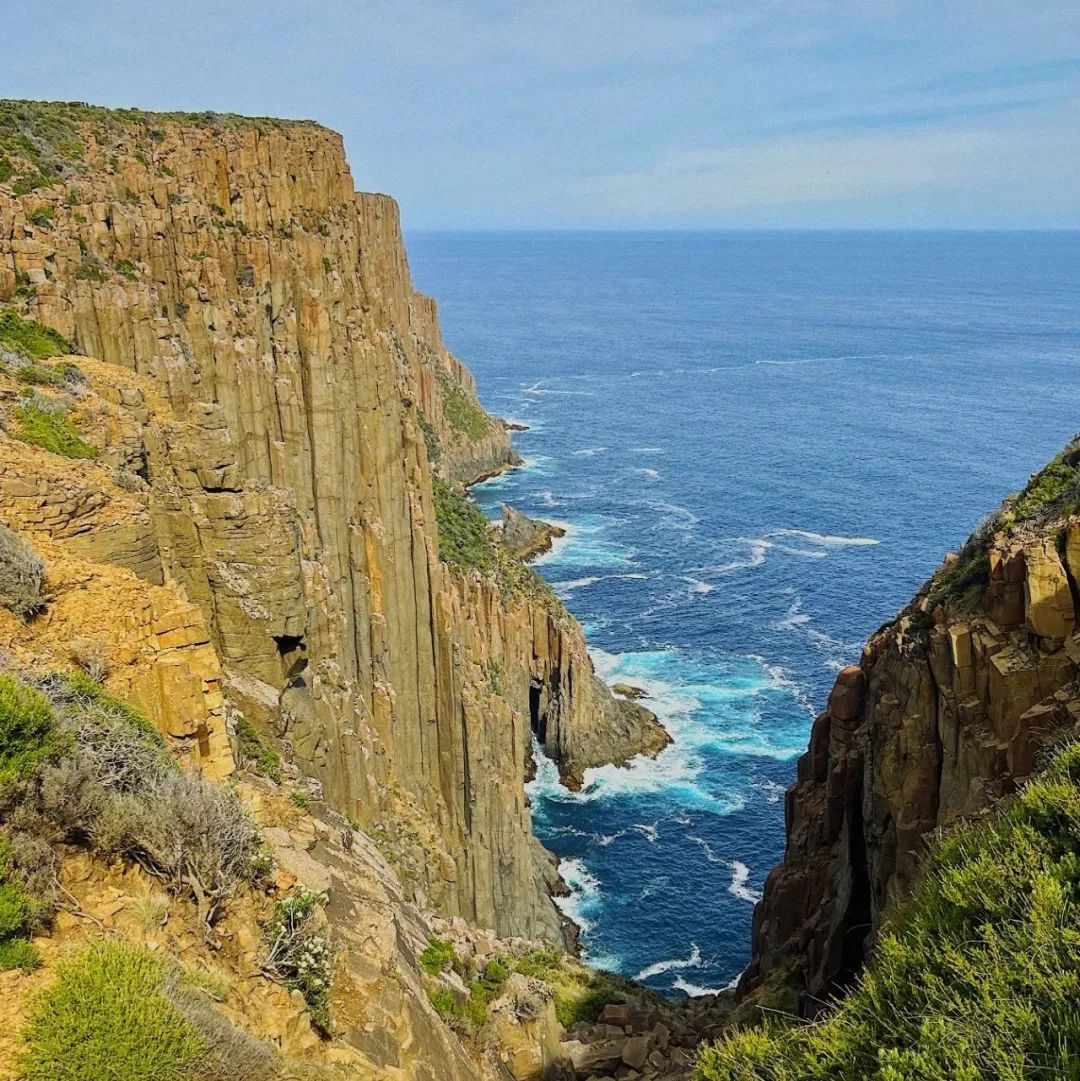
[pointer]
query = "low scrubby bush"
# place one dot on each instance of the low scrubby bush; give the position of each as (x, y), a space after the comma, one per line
(30, 339)
(438, 955)
(462, 412)
(299, 955)
(119, 1011)
(22, 574)
(464, 537)
(254, 752)
(46, 424)
(977, 977)
(28, 733)
(90, 768)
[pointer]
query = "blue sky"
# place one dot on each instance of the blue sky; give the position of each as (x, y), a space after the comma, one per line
(618, 113)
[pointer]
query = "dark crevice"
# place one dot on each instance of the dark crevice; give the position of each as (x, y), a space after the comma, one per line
(537, 719)
(292, 649)
(859, 906)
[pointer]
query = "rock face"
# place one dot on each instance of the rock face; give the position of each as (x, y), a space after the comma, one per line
(286, 402)
(945, 712)
(527, 537)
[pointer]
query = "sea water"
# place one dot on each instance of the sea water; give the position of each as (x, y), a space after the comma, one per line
(759, 444)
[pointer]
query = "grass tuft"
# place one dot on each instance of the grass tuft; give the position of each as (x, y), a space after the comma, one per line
(978, 976)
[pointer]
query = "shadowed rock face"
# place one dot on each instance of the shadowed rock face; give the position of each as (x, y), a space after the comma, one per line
(306, 398)
(945, 712)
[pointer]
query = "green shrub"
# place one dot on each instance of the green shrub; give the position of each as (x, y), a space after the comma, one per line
(28, 338)
(42, 216)
(461, 410)
(299, 956)
(39, 375)
(19, 955)
(105, 1016)
(28, 733)
(121, 791)
(22, 574)
(464, 538)
(431, 437)
(580, 993)
(963, 581)
(438, 956)
(1058, 483)
(127, 269)
(91, 269)
(46, 425)
(264, 760)
(978, 976)
(117, 1011)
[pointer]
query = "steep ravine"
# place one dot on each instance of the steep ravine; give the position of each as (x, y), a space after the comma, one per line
(231, 265)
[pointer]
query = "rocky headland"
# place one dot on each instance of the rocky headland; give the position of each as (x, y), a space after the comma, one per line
(234, 449)
(948, 711)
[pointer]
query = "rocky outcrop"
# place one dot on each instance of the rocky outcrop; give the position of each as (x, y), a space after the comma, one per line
(526, 537)
(946, 712)
(271, 401)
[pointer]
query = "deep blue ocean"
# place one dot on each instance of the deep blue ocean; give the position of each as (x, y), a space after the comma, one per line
(760, 444)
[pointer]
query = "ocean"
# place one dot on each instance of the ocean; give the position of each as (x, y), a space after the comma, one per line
(760, 444)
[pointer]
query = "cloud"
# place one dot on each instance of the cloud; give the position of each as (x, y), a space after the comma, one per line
(608, 112)
(1017, 165)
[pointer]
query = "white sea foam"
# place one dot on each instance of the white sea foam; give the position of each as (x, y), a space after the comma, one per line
(651, 474)
(740, 873)
(773, 792)
(646, 450)
(675, 963)
(693, 990)
(565, 589)
(586, 543)
(538, 389)
(782, 680)
(812, 546)
(589, 452)
(825, 539)
(583, 896)
(795, 617)
(671, 515)
(697, 585)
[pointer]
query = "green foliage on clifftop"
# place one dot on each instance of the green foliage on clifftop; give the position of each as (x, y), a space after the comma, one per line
(45, 424)
(464, 538)
(976, 978)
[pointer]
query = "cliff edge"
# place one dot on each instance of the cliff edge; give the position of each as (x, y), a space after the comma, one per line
(947, 711)
(290, 416)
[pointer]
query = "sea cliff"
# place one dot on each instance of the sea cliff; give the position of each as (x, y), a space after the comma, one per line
(947, 711)
(233, 449)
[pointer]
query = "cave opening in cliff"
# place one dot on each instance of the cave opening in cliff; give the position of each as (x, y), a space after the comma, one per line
(537, 718)
(292, 649)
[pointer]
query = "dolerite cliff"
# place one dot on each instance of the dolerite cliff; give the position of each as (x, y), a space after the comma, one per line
(273, 410)
(946, 712)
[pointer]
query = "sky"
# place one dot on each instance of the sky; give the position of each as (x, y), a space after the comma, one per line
(618, 113)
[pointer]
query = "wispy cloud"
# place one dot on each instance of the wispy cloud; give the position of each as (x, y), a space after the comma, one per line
(606, 112)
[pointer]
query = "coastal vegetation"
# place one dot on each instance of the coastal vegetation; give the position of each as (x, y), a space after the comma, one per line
(460, 409)
(978, 976)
